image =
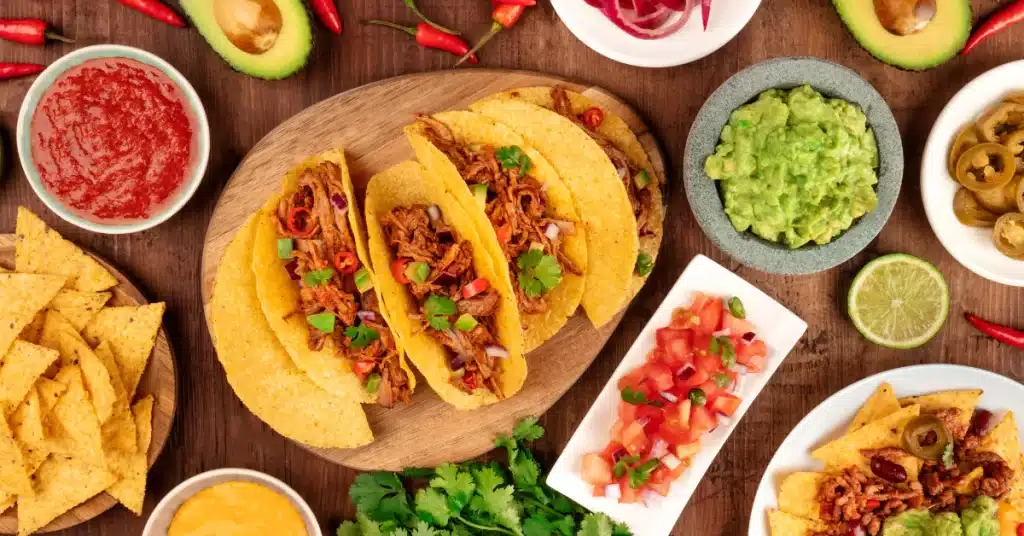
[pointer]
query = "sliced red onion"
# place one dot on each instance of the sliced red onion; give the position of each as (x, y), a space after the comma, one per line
(434, 212)
(339, 202)
(551, 231)
(738, 384)
(367, 316)
(659, 449)
(292, 268)
(705, 12)
(669, 396)
(749, 336)
(494, 350)
(675, 5)
(613, 492)
(659, 23)
(993, 421)
(671, 461)
(687, 371)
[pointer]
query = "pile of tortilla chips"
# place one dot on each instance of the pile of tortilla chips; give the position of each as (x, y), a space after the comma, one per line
(879, 424)
(71, 425)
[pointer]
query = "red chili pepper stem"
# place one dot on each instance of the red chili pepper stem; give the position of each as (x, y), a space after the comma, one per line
(996, 23)
(496, 28)
(411, 4)
(998, 332)
(407, 29)
(58, 37)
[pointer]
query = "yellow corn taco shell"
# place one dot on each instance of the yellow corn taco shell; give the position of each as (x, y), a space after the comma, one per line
(408, 184)
(798, 494)
(474, 129)
(259, 369)
(616, 131)
(600, 199)
(881, 404)
(279, 295)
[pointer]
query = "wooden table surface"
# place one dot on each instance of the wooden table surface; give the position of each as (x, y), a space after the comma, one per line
(213, 429)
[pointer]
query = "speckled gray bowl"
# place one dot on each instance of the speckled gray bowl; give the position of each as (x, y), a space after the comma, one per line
(832, 80)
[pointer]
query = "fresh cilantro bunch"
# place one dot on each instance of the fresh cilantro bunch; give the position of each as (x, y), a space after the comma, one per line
(473, 498)
(538, 273)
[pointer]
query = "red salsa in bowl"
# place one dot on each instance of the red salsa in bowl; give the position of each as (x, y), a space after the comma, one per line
(114, 141)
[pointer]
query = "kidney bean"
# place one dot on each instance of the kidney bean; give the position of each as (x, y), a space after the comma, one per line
(981, 422)
(887, 470)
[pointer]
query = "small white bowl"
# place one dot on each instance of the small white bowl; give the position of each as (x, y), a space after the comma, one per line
(59, 67)
(970, 246)
(160, 520)
(691, 43)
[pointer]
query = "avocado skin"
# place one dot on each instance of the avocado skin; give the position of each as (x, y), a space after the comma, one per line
(956, 35)
(271, 65)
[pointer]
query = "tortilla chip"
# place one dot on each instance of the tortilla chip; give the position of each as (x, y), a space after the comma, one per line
(881, 404)
(41, 250)
(886, 432)
(13, 477)
(476, 129)
(31, 332)
(600, 198)
(1004, 440)
(60, 335)
(965, 400)
(143, 411)
(1016, 494)
(6, 501)
(79, 307)
(74, 427)
(259, 369)
(407, 184)
(21, 297)
(798, 494)
(119, 431)
(62, 483)
(132, 333)
(130, 489)
(49, 392)
(27, 420)
(784, 524)
(19, 370)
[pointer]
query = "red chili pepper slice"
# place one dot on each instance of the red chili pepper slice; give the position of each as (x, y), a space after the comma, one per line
(155, 9)
(298, 222)
(363, 368)
(29, 32)
(327, 12)
(593, 117)
(346, 262)
(998, 332)
(475, 287)
(398, 267)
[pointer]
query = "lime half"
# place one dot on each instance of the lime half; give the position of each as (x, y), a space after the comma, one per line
(899, 301)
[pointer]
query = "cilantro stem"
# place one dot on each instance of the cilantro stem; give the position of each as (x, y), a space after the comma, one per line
(530, 501)
(484, 527)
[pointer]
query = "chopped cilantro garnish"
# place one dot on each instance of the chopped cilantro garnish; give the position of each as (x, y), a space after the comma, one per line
(322, 321)
(639, 475)
(361, 336)
(714, 347)
(736, 308)
(728, 352)
(644, 264)
(512, 156)
(315, 278)
(623, 464)
(538, 273)
(285, 246)
(698, 396)
(947, 456)
(721, 379)
(372, 383)
(633, 397)
(437, 309)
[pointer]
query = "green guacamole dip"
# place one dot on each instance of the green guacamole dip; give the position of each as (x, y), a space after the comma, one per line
(796, 167)
(978, 519)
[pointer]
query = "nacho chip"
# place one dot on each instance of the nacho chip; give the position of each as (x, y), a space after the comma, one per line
(1016, 494)
(886, 432)
(784, 524)
(74, 427)
(62, 483)
(881, 404)
(14, 479)
(143, 411)
(119, 431)
(21, 297)
(964, 400)
(79, 307)
(27, 420)
(60, 335)
(49, 392)
(132, 333)
(1004, 440)
(6, 501)
(798, 494)
(130, 469)
(34, 328)
(41, 250)
(259, 369)
(20, 369)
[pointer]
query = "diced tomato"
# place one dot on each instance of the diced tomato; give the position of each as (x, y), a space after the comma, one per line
(699, 376)
(687, 451)
(702, 420)
(677, 345)
(756, 363)
(652, 417)
(698, 302)
(593, 117)
(363, 368)
(398, 267)
(710, 316)
(597, 471)
(504, 234)
(629, 495)
(735, 325)
(871, 504)
(673, 433)
(709, 363)
(656, 355)
(616, 431)
(684, 319)
(679, 414)
(711, 391)
(633, 380)
(752, 354)
(726, 404)
(634, 440)
(627, 412)
(661, 480)
(610, 450)
(598, 491)
(475, 287)
(659, 377)
(701, 343)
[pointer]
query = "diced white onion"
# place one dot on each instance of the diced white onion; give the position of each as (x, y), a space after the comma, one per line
(551, 231)
(537, 245)
(434, 213)
(493, 350)
(669, 396)
(659, 449)
(858, 530)
(740, 369)
(671, 462)
(722, 332)
(367, 316)
(613, 492)
(724, 420)
(565, 226)
(622, 173)
(738, 384)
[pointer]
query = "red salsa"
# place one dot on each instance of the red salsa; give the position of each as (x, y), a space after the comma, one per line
(114, 140)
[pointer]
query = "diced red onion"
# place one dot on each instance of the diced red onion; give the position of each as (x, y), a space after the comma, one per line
(339, 202)
(494, 350)
(687, 371)
(613, 492)
(456, 363)
(671, 461)
(619, 454)
(642, 421)
(740, 369)
(669, 396)
(993, 421)
(292, 268)
(367, 316)
(551, 231)
(749, 336)
(434, 212)
(722, 332)
(659, 449)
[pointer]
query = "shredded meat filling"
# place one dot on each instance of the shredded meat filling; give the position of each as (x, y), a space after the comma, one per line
(412, 235)
(517, 206)
(325, 233)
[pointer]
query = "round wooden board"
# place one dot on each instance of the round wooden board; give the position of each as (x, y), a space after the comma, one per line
(159, 380)
(367, 122)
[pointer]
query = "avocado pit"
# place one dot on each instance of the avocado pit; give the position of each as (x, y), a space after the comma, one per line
(905, 17)
(251, 25)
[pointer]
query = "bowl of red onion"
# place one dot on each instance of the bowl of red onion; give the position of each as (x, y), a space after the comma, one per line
(655, 33)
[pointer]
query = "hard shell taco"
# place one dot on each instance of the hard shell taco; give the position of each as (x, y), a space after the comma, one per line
(452, 307)
(523, 212)
(318, 291)
(613, 151)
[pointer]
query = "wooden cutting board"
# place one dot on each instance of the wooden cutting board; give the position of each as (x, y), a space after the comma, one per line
(367, 122)
(159, 380)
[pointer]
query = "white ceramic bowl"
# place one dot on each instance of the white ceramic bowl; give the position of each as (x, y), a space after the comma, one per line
(690, 43)
(47, 78)
(970, 246)
(160, 519)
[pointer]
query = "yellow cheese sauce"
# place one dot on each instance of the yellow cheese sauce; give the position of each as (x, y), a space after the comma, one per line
(237, 509)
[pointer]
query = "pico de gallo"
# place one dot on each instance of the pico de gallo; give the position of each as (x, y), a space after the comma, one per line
(683, 391)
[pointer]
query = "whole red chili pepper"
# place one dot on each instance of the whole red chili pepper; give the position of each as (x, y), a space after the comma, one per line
(430, 37)
(29, 31)
(327, 12)
(155, 9)
(504, 16)
(496, 3)
(997, 22)
(411, 4)
(1000, 333)
(15, 70)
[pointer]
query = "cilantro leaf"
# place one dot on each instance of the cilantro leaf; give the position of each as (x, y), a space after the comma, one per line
(367, 526)
(512, 156)
(496, 499)
(622, 465)
(315, 278)
(349, 528)
(538, 273)
(947, 456)
(528, 430)
(432, 507)
(639, 475)
(728, 351)
(525, 470)
(537, 525)
(644, 264)
(437, 309)
(423, 529)
(631, 396)
(595, 525)
(361, 336)
(459, 486)
(418, 472)
(381, 496)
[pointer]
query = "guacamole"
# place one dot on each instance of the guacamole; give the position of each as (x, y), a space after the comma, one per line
(796, 167)
(978, 519)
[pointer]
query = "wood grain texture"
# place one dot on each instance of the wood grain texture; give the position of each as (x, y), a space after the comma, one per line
(214, 430)
(159, 380)
(429, 431)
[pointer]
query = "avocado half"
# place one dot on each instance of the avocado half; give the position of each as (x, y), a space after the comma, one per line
(270, 39)
(936, 43)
